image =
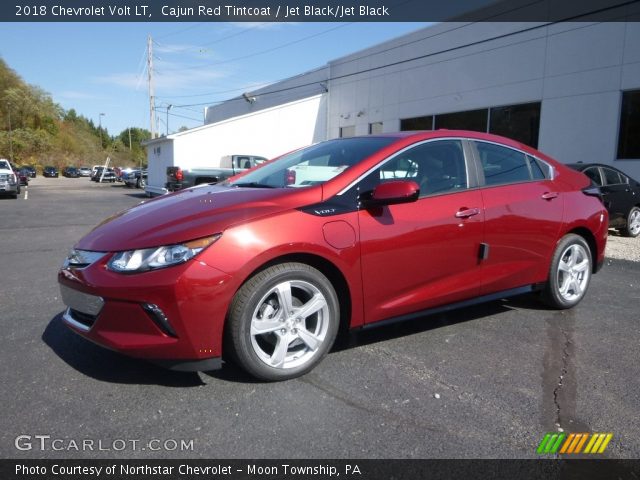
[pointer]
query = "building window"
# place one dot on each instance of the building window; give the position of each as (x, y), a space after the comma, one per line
(349, 131)
(518, 122)
(417, 123)
(375, 128)
(629, 135)
(475, 120)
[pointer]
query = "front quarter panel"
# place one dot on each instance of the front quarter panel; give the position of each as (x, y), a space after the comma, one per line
(246, 248)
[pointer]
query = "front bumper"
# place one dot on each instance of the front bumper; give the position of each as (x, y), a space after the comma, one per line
(10, 188)
(173, 316)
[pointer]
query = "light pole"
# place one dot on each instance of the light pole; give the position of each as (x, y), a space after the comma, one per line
(100, 128)
(167, 122)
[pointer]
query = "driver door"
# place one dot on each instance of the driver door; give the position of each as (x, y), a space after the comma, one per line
(416, 256)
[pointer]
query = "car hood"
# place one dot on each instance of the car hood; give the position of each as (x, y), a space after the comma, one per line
(190, 214)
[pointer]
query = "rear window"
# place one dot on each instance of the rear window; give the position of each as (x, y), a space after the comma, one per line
(502, 165)
(611, 176)
(594, 175)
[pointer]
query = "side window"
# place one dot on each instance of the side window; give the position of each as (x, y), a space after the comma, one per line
(594, 175)
(611, 177)
(437, 167)
(502, 165)
(537, 169)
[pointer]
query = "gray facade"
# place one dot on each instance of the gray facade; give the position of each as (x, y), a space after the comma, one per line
(574, 74)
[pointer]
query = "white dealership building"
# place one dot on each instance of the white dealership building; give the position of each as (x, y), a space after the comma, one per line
(570, 89)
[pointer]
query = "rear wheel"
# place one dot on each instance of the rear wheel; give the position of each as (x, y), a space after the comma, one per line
(283, 321)
(569, 274)
(633, 223)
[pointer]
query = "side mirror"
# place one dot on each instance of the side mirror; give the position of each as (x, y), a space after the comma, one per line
(392, 193)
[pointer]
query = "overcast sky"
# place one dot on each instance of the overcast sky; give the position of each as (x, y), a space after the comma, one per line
(101, 67)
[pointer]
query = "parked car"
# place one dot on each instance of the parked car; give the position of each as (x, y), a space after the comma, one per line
(620, 193)
(135, 178)
(23, 176)
(265, 268)
(9, 183)
(71, 172)
(84, 171)
(31, 169)
(108, 175)
(50, 172)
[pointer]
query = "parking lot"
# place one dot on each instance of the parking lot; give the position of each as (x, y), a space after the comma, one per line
(487, 381)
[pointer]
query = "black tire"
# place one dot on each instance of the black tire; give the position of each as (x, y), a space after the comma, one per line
(288, 344)
(632, 229)
(569, 273)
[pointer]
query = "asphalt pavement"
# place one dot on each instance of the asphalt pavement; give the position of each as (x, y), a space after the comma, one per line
(482, 382)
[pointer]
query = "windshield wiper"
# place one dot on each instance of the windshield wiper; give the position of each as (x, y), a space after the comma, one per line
(253, 185)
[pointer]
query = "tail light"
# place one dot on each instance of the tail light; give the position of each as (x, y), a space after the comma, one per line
(290, 177)
(179, 175)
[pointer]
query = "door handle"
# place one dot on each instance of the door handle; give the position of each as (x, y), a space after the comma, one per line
(549, 195)
(467, 212)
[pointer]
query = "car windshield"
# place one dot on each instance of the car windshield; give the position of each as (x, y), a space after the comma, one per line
(313, 165)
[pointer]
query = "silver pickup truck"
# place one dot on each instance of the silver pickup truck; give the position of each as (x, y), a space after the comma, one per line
(230, 165)
(9, 183)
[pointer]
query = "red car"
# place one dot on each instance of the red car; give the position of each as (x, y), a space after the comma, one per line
(350, 232)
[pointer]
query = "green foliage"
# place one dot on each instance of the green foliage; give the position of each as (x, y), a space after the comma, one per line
(36, 130)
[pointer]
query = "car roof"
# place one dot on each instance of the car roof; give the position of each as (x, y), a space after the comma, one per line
(446, 133)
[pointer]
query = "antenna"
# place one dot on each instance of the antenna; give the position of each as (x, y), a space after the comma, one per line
(152, 116)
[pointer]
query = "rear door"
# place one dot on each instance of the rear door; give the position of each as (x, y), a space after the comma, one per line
(617, 195)
(523, 216)
(420, 255)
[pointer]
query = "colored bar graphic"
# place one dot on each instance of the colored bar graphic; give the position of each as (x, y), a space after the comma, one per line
(590, 444)
(567, 442)
(573, 443)
(556, 446)
(543, 443)
(607, 439)
(584, 439)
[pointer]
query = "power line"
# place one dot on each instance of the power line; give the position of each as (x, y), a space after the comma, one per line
(181, 30)
(420, 57)
(184, 116)
(262, 52)
(213, 42)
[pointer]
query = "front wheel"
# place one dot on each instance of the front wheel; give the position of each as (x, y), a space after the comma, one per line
(569, 274)
(633, 223)
(283, 321)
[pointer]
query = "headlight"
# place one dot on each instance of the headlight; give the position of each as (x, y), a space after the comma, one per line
(159, 257)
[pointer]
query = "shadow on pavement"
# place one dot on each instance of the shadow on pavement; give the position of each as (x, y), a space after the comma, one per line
(108, 366)
(430, 322)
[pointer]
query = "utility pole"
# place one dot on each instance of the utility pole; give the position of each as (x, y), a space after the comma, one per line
(152, 119)
(10, 134)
